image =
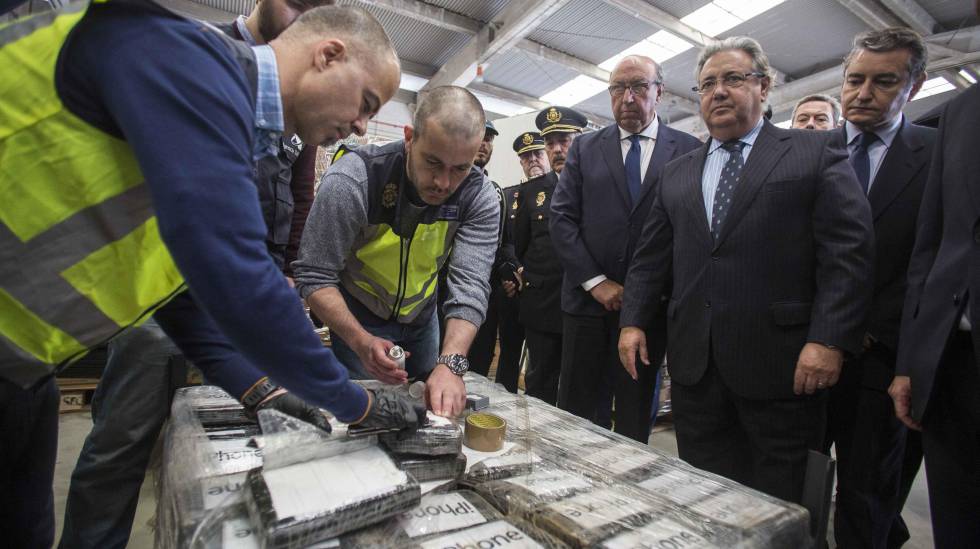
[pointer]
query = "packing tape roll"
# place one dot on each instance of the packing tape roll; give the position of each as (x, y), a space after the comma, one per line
(484, 432)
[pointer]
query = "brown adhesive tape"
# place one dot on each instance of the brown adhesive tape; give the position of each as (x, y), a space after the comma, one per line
(484, 432)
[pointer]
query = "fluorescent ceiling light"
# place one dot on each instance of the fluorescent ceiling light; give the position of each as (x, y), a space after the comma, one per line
(969, 77)
(411, 82)
(659, 46)
(934, 86)
(501, 106)
(721, 15)
(574, 91)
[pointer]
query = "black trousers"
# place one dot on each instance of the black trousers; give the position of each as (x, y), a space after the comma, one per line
(544, 364)
(482, 348)
(760, 443)
(871, 453)
(511, 333)
(591, 352)
(28, 450)
(951, 444)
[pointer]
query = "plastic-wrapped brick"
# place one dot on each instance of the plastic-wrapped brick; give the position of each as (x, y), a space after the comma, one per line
(440, 437)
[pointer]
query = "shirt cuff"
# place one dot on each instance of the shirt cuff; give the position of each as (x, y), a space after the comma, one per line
(593, 282)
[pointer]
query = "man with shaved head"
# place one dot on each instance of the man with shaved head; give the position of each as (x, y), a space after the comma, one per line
(384, 222)
(604, 194)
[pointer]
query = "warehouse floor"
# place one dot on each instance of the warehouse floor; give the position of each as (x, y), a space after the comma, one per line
(75, 427)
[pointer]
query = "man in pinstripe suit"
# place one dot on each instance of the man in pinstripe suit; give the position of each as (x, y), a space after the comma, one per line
(763, 239)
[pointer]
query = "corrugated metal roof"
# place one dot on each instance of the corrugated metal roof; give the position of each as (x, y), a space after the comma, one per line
(591, 30)
(803, 36)
(521, 72)
(414, 40)
(481, 10)
(679, 8)
(951, 14)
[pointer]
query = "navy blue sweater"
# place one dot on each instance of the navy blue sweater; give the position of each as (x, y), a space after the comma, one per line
(172, 89)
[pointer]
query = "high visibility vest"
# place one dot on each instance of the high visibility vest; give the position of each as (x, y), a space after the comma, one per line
(81, 258)
(394, 270)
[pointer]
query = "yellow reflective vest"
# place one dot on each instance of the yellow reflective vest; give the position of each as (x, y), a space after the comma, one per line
(80, 254)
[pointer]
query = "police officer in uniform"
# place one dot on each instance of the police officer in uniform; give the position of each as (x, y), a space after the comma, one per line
(541, 274)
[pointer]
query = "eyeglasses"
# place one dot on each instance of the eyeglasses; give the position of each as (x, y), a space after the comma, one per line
(734, 80)
(639, 89)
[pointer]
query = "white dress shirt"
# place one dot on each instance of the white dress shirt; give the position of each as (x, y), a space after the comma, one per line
(648, 139)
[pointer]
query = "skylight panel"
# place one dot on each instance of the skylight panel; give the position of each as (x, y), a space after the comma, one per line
(969, 77)
(659, 46)
(721, 15)
(501, 106)
(934, 86)
(412, 83)
(574, 91)
(747, 9)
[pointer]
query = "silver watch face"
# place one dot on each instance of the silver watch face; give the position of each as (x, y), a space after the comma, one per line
(457, 364)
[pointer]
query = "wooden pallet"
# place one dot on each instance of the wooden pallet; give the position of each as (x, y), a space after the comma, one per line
(76, 394)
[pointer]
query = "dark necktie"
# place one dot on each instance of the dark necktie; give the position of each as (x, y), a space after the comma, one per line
(861, 161)
(633, 168)
(726, 185)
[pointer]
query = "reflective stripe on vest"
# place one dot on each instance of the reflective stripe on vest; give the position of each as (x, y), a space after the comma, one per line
(392, 286)
(80, 254)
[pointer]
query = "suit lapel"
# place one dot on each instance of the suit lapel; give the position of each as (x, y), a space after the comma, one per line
(612, 152)
(663, 151)
(693, 195)
(897, 169)
(768, 148)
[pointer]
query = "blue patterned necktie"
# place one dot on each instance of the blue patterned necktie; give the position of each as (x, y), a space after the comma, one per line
(861, 161)
(633, 182)
(726, 185)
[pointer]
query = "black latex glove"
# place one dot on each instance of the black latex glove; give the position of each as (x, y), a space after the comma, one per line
(292, 405)
(391, 410)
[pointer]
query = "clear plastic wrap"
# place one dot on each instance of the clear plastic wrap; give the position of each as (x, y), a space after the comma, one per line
(522, 494)
(510, 533)
(440, 437)
(435, 515)
(322, 499)
(431, 468)
(213, 406)
(286, 440)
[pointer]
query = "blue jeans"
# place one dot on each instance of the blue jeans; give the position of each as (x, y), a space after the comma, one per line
(422, 341)
(128, 411)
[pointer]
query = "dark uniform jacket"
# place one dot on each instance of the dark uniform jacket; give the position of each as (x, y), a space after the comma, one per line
(532, 248)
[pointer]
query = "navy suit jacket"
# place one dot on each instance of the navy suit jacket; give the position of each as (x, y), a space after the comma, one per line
(594, 224)
(794, 263)
(944, 273)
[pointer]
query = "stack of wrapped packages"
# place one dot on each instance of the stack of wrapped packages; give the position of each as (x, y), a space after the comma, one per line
(557, 481)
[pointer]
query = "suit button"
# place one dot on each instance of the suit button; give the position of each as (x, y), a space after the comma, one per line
(707, 303)
(956, 299)
(715, 258)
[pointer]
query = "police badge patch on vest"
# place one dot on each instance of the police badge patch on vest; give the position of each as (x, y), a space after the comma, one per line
(389, 195)
(448, 212)
(539, 200)
(294, 145)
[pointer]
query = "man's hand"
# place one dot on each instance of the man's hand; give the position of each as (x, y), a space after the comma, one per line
(817, 368)
(901, 393)
(512, 288)
(373, 352)
(445, 392)
(292, 405)
(609, 294)
(390, 410)
(632, 340)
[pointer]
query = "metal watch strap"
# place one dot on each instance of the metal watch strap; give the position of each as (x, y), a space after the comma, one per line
(258, 392)
(457, 363)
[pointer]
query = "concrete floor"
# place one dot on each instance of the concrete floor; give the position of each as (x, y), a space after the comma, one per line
(75, 427)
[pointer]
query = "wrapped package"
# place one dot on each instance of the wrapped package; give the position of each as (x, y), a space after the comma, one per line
(515, 458)
(432, 468)
(286, 440)
(612, 460)
(521, 495)
(441, 436)
(509, 533)
(435, 515)
(585, 519)
(761, 520)
(213, 406)
(321, 499)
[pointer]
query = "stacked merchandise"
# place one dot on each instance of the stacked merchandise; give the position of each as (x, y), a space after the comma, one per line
(558, 481)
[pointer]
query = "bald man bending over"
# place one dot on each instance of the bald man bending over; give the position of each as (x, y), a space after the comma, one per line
(384, 222)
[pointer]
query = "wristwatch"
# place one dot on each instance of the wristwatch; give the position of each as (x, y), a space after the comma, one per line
(456, 363)
(258, 392)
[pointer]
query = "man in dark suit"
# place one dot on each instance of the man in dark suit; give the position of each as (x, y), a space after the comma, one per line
(540, 272)
(936, 387)
(891, 157)
(763, 240)
(599, 209)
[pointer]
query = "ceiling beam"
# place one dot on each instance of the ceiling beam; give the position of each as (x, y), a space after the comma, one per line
(428, 13)
(878, 17)
(913, 15)
(527, 100)
(516, 21)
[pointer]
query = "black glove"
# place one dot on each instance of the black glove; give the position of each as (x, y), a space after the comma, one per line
(390, 410)
(292, 405)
